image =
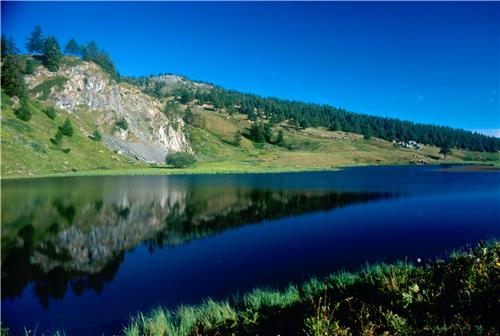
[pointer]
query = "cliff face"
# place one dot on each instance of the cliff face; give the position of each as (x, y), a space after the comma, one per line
(86, 91)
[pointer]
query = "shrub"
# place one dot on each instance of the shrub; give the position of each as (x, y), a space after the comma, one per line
(192, 118)
(96, 136)
(66, 128)
(29, 66)
(24, 112)
(257, 132)
(56, 140)
(50, 112)
(237, 138)
(12, 77)
(180, 159)
(281, 139)
(435, 157)
(122, 124)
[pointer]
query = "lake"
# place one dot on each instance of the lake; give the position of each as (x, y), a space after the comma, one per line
(82, 254)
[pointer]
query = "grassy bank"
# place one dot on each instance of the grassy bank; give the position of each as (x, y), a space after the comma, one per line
(235, 168)
(26, 149)
(456, 296)
(200, 168)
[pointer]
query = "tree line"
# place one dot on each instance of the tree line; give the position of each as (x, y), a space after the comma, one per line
(304, 115)
(300, 114)
(47, 50)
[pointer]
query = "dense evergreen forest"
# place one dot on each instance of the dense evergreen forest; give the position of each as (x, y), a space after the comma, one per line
(305, 115)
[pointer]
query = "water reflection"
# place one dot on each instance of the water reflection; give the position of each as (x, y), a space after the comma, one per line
(73, 234)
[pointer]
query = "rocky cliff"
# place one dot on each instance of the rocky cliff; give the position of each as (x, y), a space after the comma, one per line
(86, 91)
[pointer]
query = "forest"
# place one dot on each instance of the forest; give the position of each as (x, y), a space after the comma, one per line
(303, 115)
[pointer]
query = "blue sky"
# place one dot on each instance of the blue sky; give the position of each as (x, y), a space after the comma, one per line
(426, 62)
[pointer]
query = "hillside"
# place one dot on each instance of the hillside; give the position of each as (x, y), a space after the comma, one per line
(139, 122)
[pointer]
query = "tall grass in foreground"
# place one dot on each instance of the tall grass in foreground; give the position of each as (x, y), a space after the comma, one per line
(456, 296)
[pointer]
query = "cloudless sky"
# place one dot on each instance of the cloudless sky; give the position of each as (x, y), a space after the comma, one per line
(426, 62)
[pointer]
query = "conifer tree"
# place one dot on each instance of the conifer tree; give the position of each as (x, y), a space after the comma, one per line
(35, 43)
(12, 77)
(8, 46)
(281, 139)
(24, 112)
(52, 54)
(445, 149)
(72, 47)
(66, 128)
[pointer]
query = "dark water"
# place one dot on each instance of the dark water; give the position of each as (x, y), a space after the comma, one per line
(82, 254)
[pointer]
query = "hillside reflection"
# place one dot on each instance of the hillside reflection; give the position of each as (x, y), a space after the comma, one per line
(74, 233)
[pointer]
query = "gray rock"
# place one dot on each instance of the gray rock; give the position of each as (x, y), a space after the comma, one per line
(88, 89)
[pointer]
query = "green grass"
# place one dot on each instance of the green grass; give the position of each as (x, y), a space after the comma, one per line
(27, 150)
(310, 148)
(457, 295)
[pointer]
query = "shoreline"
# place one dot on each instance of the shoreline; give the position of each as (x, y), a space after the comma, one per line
(397, 298)
(450, 293)
(206, 169)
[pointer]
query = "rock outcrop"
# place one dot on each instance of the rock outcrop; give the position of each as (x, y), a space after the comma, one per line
(88, 92)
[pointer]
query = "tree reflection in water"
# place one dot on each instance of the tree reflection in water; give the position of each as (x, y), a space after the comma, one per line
(75, 234)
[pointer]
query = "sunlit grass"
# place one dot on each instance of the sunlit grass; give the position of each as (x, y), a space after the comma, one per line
(27, 151)
(456, 295)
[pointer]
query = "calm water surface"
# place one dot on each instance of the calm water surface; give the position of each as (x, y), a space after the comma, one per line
(82, 254)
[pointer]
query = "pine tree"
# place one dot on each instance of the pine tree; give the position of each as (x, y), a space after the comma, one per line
(50, 112)
(66, 128)
(57, 139)
(12, 77)
(90, 52)
(185, 97)
(8, 46)
(268, 132)
(445, 149)
(24, 112)
(281, 139)
(72, 47)
(29, 67)
(36, 43)
(367, 133)
(335, 126)
(52, 54)
(257, 132)
(251, 114)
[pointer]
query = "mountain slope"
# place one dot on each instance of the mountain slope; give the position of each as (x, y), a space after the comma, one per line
(28, 151)
(310, 148)
(139, 128)
(88, 92)
(303, 115)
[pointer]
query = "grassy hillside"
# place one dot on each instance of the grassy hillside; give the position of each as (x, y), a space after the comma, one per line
(312, 148)
(28, 151)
